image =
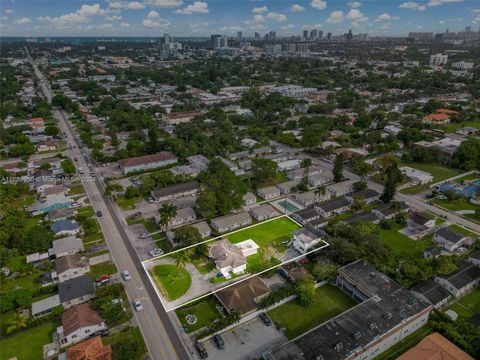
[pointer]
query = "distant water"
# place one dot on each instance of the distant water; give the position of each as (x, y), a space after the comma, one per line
(76, 40)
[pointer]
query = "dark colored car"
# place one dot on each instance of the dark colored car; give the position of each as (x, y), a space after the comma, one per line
(201, 350)
(99, 213)
(219, 341)
(266, 320)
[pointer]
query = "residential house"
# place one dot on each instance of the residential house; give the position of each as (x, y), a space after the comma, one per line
(435, 346)
(228, 258)
(323, 178)
(175, 191)
(60, 214)
(146, 162)
(76, 291)
(297, 174)
(45, 306)
(37, 124)
(65, 227)
(287, 186)
(56, 190)
(268, 192)
(368, 195)
(69, 245)
(78, 323)
(461, 281)
(365, 216)
(416, 176)
(432, 293)
(249, 199)
(304, 216)
(231, 222)
(203, 229)
(181, 117)
(474, 258)
(449, 239)
(184, 216)
(199, 162)
(279, 157)
(341, 188)
(388, 211)
(244, 297)
(263, 212)
(306, 198)
(185, 170)
(293, 272)
(91, 349)
(289, 165)
(333, 207)
(305, 240)
(419, 221)
(71, 266)
(43, 146)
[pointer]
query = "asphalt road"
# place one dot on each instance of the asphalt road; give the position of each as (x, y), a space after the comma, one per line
(161, 337)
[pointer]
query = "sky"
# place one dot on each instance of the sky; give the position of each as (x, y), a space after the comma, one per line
(204, 17)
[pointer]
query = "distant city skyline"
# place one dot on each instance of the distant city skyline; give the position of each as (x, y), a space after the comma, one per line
(203, 18)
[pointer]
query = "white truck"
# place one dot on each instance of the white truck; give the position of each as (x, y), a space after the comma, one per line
(80, 170)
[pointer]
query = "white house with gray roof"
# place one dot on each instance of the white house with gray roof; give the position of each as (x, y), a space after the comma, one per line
(269, 192)
(66, 246)
(263, 212)
(231, 222)
(449, 239)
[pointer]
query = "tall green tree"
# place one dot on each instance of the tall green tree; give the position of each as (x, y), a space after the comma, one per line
(167, 212)
(394, 177)
(338, 168)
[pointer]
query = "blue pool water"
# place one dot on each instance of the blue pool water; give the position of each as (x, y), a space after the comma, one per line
(288, 206)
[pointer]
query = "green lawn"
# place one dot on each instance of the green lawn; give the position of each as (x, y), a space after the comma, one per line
(455, 205)
(29, 281)
(455, 126)
(76, 189)
(29, 344)
(279, 178)
(172, 281)
(410, 341)
(462, 230)
(86, 211)
(274, 233)
(205, 312)
(468, 305)
(403, 245)
(126, 204)
(101, 269)
(204, 267)
(296, 319)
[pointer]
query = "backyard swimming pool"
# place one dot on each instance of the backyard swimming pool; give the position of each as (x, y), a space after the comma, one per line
(287, 205)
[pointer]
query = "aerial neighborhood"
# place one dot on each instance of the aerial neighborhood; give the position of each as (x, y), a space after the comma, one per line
(313, 196)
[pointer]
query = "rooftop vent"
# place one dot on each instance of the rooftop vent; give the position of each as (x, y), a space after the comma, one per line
(412, 301)
(388, 316)
(319, 357)
(357, 335)
(372, 326)
(339, 346)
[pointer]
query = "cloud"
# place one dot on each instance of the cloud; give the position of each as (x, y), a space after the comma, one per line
(79, 16)
(288, 27)
(318, 4)
(153, 20)
(256, 19)
(113, 17)
(164, 3)
(476, 11)
(23, 21)
(231, 28)
(125, 25)
(8, 11)
(356, 16)
(200, 7)
(354, 4)
(314, 26)
(335, 17)
(387, 17)
(412, 5)
(132, 5)
(276, 17)
(441, 2)
(297, 8)
(260, 10)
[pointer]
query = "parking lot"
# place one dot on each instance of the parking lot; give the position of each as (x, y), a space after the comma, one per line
(142, 246)
(247, 341)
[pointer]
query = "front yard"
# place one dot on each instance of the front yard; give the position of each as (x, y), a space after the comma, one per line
(204, 311)
(467, 306)
(106, 268)
(171, 280)
(29, 344)
(456, 205)
(296, 319)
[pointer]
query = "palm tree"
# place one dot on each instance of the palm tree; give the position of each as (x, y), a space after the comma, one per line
(181, 258)
(320, 192)
(167, 213)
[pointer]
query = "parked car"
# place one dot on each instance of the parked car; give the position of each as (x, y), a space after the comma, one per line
(126, 275)
(137, 304)
(266, 320)
(75, 159)
(201, 350)
(99, 213)
(219, 341)
(103, 279)
(156, 252)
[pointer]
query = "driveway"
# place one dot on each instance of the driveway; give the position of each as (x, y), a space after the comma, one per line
(246, 341)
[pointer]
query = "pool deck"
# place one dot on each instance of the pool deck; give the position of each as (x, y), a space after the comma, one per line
(279, 205)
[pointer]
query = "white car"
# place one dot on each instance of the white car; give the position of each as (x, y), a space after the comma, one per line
(137, 304)
(126, 275)
(156, 252)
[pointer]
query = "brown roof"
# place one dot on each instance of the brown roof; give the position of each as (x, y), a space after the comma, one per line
(183, 114)
(146, 159)
(91, 349)
(79, 316)
(435, 347)
(69, 262)
(56, 189)
(224, 254)
(243, 296)
(436, 117)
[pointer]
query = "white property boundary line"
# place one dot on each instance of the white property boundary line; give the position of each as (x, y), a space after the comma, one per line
(235, 282)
